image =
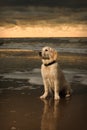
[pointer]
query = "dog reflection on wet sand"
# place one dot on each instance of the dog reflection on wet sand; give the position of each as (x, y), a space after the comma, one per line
(50, 115)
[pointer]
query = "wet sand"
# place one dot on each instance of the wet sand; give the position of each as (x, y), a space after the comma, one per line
(20, 106)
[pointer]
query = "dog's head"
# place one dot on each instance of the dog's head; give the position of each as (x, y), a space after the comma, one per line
(48, 55)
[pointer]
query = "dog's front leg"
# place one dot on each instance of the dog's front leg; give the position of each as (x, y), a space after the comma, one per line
(46, 89)
(56, 91)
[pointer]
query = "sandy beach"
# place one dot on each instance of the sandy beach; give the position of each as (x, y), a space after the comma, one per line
(20, 107)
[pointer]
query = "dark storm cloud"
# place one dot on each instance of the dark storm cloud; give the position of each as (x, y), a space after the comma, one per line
(32, 15)
(42, 12)
(66, 3)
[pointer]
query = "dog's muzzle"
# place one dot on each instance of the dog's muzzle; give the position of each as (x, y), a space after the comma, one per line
(43, 56)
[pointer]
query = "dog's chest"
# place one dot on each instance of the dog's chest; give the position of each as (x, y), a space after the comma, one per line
(48, 72)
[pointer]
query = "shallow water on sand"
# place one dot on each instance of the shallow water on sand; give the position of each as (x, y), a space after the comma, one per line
(20, 107)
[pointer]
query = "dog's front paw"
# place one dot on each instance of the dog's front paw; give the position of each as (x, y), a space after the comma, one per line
(67, 95)
(43, 96)
(57, 97)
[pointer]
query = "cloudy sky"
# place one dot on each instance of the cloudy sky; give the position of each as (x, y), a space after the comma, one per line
(43, 18)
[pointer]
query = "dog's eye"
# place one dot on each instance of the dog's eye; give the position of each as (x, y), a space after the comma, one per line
(46, 50)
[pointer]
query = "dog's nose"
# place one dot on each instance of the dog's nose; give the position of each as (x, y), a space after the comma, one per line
(40, 53)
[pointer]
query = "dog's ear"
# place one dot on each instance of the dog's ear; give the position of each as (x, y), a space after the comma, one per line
(54, 54)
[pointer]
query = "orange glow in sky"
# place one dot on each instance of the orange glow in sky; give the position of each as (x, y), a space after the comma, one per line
(44, 31)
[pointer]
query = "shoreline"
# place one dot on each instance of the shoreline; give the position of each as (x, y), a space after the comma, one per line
(33, 54)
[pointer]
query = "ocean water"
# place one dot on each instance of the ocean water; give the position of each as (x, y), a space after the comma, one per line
(71, 45)
(19, 68)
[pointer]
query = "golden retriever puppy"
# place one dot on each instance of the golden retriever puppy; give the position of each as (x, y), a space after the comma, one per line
(53, 77)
